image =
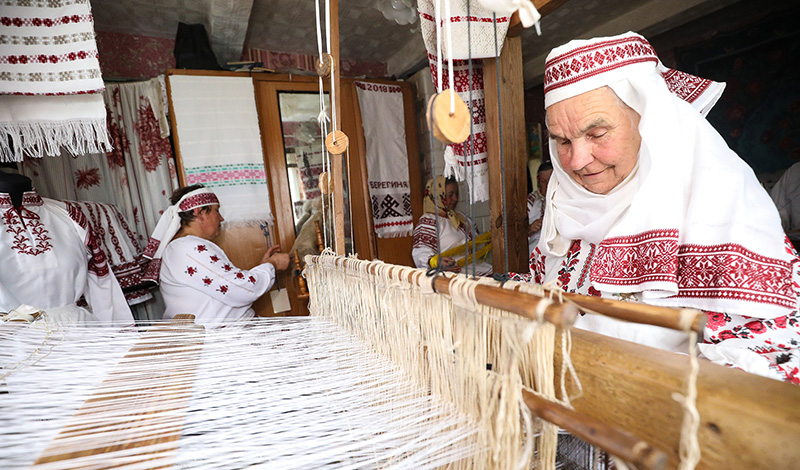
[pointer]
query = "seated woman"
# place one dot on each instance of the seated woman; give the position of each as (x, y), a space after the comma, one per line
(439, 201)
(648, 203)
(536, 204)
(195, 275)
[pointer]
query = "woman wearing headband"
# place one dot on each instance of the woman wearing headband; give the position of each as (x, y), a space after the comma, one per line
(195, 275)
(648, 203)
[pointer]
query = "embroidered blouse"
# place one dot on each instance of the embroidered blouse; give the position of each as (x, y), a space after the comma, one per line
(51, 258)
(198, 278)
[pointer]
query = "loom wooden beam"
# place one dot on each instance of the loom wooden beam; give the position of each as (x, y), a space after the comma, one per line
(641, 313)
(127, 410)
(614, 441)
(507, 179)
(337, 160)
(746, 421)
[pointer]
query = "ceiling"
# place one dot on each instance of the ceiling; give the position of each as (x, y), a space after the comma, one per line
(366, 36)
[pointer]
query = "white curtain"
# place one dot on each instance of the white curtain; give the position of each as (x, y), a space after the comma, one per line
(137, 177)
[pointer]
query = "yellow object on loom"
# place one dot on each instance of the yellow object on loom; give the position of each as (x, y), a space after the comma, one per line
(483, 239)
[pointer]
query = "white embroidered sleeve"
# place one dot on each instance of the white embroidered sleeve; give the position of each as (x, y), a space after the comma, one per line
(208, 270)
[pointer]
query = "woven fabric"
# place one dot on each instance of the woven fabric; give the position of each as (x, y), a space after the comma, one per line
(51, 76)
(220, 143)
(383, 120)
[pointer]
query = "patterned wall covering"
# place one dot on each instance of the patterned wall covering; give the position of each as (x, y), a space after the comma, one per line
(134, 57)
(759, 113)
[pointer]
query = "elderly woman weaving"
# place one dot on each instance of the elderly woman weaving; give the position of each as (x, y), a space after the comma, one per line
(194, 273)
(440, 200)
(648, 203)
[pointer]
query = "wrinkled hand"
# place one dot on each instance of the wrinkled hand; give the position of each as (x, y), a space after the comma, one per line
(276, 258)
(535, 226)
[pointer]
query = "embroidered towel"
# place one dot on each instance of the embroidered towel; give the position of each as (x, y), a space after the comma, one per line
(50, 80)
(220, 143)
(383, 120)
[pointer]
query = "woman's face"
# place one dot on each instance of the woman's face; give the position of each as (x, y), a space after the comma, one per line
(597, 137)
(451, 196)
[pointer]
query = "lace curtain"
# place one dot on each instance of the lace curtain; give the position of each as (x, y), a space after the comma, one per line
(137, 177)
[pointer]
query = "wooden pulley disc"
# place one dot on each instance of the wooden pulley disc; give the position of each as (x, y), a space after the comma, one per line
(336, 142)
(448, 128)
(323, 65)
(325, 183)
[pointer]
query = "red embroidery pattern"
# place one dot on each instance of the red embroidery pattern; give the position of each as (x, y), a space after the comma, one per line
(201, 248)
(647, 257)
(537, 265)
(239, 275)
(98, 264)
(223, 289)
(595, 59)
(190, 270)
(214, 258)
(207, 281)
(686, 86)
(728, 271)
(43, 59)
(198, 200)
(733, 272)
(48, 22)
(154, 149)
(570, 261)
(150, 249)
(227, 267)
(252, 279)
(22, 244)
(586, 266)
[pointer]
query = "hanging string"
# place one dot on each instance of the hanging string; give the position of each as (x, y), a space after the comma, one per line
(470, 142)
(502, 156)
(323, 118)
(449, 35)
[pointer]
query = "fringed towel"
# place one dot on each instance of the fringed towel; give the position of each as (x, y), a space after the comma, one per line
(220, 143)
(50, 80)
(383, 120)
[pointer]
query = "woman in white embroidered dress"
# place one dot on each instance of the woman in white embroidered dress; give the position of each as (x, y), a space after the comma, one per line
(439, 202)
(648, 203)
(195, 275)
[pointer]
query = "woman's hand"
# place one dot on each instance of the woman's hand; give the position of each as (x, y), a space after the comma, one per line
(449, 264)
(276, 258)
(535, 226)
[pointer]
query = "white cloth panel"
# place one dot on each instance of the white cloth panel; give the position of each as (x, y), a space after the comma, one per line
(220, 143)
(383, 120)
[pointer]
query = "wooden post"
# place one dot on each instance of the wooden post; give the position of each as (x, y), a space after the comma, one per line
(515, 155)
(336, 101)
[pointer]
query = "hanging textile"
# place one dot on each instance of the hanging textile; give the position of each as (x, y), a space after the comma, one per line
(137, 177)
(469, 160)
(50, 80)
(383, 120)
(217, 126)
(119, 244)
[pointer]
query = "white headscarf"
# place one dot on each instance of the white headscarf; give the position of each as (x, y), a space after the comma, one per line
(690, 226)
(169, 224)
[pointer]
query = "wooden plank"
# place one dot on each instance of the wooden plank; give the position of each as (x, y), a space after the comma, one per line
(515, 155)
(107, 422)
(747, 421)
